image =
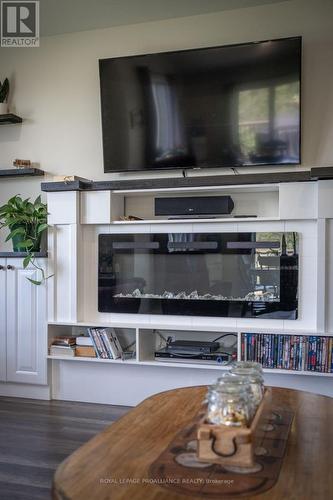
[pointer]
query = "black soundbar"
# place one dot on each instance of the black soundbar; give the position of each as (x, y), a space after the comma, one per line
(194, 205)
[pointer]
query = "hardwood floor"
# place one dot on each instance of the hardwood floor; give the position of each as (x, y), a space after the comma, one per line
(35, 436)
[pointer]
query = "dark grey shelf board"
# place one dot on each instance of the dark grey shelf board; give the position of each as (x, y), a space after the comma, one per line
(9, 118)
(180, 182)
(66, 186)
(207, 181)
(18, 255)
(21, 172)
(321, 173)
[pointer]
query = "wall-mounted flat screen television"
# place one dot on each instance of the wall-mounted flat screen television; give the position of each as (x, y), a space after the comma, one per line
(227, 106)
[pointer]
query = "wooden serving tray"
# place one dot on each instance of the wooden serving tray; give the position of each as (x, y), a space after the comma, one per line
(221, 444)
(193, 477)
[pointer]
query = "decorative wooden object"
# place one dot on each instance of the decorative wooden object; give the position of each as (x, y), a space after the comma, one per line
(195, 477)
(69, 178)
(227, 445)
(22, 163)
(130, 217)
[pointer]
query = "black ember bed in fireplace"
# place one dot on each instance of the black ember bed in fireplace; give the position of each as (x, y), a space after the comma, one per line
(199, 274)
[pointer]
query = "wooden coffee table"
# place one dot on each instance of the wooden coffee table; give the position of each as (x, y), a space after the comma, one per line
(117, 463)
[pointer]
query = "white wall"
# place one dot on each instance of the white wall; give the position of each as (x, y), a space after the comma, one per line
(55, 88)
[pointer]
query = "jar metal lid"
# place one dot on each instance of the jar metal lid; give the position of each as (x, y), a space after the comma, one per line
(253, 375)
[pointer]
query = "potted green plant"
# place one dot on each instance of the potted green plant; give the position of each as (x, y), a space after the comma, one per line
(27, 222)
(4, 91)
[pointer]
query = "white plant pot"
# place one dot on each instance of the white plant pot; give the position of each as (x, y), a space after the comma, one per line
(3, 108)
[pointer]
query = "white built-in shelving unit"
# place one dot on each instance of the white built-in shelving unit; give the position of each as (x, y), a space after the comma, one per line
(146, 342)
(77, 218)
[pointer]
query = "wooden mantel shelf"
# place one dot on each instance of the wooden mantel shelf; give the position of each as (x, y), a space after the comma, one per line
(191, 182)
(179, 182)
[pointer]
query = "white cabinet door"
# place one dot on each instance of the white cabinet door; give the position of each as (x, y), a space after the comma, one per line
(26, 326)
(3, 349)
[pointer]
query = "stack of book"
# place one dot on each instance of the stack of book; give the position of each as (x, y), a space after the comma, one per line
(85, 347)
(101, 343)
(289, 352)
(63, 346)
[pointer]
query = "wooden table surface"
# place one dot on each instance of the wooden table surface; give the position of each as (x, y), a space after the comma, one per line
(115, 463)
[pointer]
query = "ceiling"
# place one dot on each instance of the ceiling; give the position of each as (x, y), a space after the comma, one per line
(68, 16)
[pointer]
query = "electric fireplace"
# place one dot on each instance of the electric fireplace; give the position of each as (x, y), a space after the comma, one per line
(199, 274)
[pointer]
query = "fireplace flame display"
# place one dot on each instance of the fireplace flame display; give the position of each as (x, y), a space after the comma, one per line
(257, 296)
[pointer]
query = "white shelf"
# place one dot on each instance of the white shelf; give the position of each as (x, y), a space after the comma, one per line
(233, 220)
(189, 328)
(202, 366)
(170, 364)
(235, 188)
(278, 371)
(216, 366)
(93, 360)
(209, 366)
(97, 324)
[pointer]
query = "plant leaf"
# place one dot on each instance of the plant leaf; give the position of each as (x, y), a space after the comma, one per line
(18, 230)
(13, 199)
(34, 282)
(25, 244)
(26, 261)
(42, 228)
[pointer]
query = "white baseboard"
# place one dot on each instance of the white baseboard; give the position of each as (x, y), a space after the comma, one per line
(25, 391)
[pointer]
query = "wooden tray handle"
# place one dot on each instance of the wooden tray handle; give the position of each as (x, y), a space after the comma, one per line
(227, 448)
(229, 444)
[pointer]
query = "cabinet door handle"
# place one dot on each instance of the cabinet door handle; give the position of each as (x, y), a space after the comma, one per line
(9, 267)
(2, 268)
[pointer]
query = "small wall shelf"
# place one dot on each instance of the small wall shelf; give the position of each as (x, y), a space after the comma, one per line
(19, 255)
(9, 119)
(21, 172)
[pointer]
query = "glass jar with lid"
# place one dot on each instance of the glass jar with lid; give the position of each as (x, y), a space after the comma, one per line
(255, 380)
(228, 404)
(244, 384)
(241, 382)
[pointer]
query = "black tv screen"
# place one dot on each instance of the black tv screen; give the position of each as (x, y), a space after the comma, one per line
(228, 106)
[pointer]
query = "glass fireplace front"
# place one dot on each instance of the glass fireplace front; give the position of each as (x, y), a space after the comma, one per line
(199, 274)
